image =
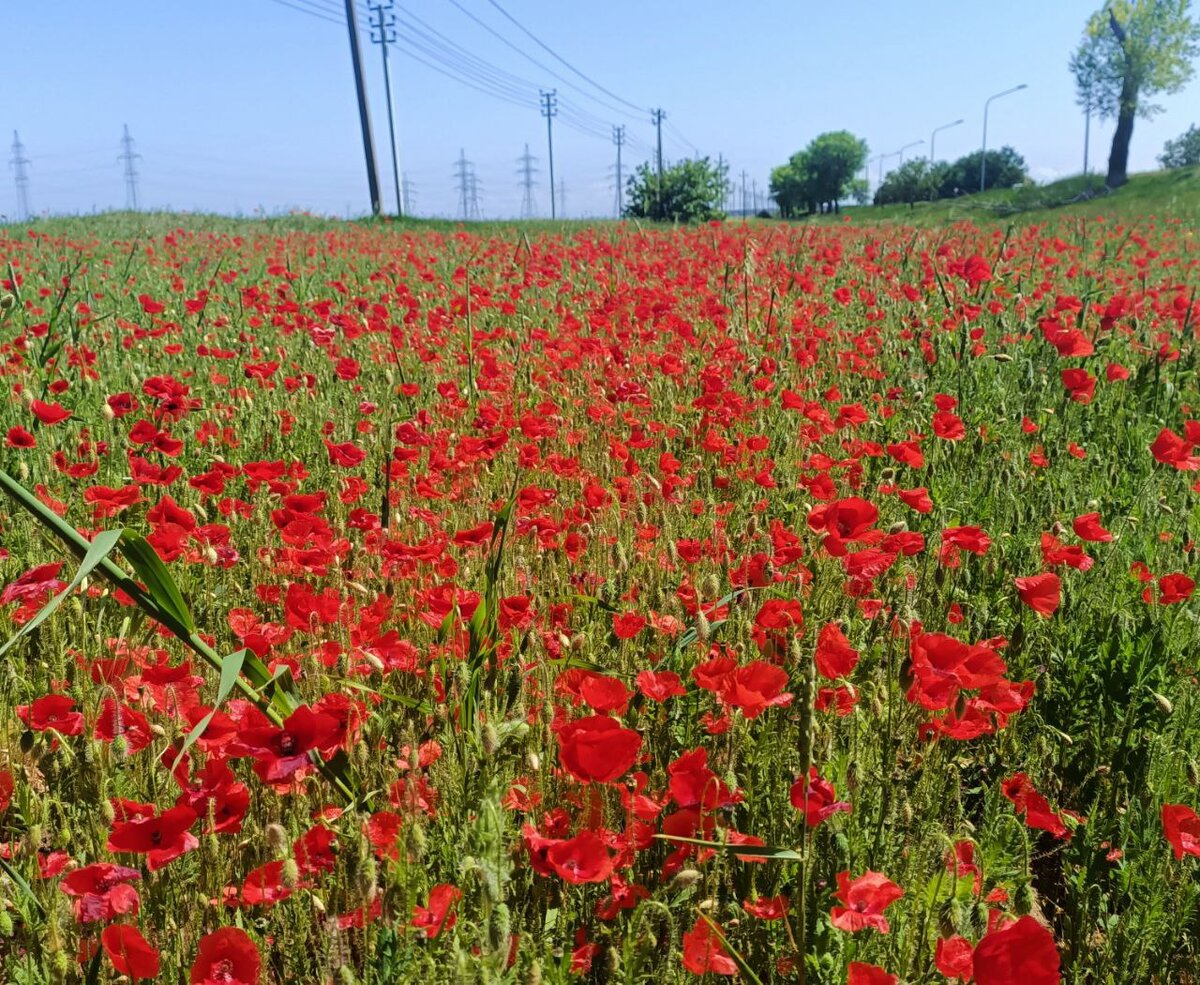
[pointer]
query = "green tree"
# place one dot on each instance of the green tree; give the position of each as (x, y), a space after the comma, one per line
(822, 175)
(1005, 168)
(792, 186)
(1132, 50)
(834, 160)
(1183, 151)
(914, 181)
(690, 191)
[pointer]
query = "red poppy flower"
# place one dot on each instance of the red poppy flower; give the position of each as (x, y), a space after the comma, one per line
(756, 687)
(18, 437)
(129, 952)
(659, 685)
(917, 499)
(1088, 527)
(436, 917)
(6, 790)
(53, 711)
(626, 625)
(161, 839)
(953, 958)
(767, 907)
(1042, 593)
(1172, 589)
(834, 656)
(584, 858)
(1035, 807)
(868, 974)
(816, 798)
(282, 750)
(865, 899)
(703, 952)
(49, 413)
(1170, 449)
(226, 957)
(1182, 829)
(100, 892)
(1080, 384)
(597, 749)
(943, 666)
(1023, 953)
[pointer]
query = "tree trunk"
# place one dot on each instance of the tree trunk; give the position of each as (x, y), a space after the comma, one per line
(1118, 158)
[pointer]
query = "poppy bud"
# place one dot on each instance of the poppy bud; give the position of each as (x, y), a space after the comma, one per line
(672, 552)
(27, 398)
(685, 879)
(1017, 637)
(289, 875)
(6, 924)
(578, 642)
(500, 927)
(712, 587)
(622, 564)
(107, 412)
(1058, 529)
(1163, 702)
(752, 526)
(490, 739)
(365, 882)
(1024, 900)
(707, 905)
(888, 474)
(346, 976)
(317, 904)
(702, 627)
(62, 963)
(898, 527)
(415, 841)
(960, 705)
(23, 470)
(1193, 772)
(612, 959)
(534, 761)
(906, 674)
(939, 576)
(1002, 357)
(7, 301)
(277, 839)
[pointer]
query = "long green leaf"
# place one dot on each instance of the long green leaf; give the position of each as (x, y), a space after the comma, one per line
(100, 549)
(158, 580)
(757, 851)
(231, 669)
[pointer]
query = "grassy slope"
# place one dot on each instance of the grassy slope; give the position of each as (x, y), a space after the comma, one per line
(1175, 193)
(1156, 193)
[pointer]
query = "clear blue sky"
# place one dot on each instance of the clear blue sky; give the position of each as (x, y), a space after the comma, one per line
(238, 105)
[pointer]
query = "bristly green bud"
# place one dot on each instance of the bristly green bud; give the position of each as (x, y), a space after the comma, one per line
(277, 839)
(534, 975)
(1024, 900)
(1164, 703)
(685, 879)
(712, 587)
(703, 630)
(7, 301)
(6, 924)
(415, 841)
(346, 976)
(290, 874)
(490, 739)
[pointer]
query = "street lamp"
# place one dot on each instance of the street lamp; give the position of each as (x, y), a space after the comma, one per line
(881, 159)
(915, 143)
(983, 158)
(936, 131)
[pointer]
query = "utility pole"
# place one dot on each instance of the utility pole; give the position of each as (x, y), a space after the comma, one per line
(364, 116)
(527, 171)
(476, 211)
(550, 110)
(19, 162)
(618, 138)
(562, 196)
(656, 117)
(383, 33)
(743, 193)
(465, 176)
(754, 196)
(128, 156)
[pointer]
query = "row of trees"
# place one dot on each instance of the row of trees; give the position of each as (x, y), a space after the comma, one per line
(822, 176)
(919, 180)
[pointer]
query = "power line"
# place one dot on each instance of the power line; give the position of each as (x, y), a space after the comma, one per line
(545, 47)
(383, 33)
(309, 10)
(618, 138)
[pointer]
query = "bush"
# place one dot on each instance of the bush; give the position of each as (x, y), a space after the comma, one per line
(691, 191)
(1183, 151)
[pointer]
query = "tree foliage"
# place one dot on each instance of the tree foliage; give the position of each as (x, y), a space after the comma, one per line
(690, 191)
(1133, 50)
(823, 174)
(919, 181)
(1183, 151)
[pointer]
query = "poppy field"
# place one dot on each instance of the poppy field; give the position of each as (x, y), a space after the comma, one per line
(784, 603)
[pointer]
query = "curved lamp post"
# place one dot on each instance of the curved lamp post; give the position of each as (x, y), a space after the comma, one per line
(983, 157)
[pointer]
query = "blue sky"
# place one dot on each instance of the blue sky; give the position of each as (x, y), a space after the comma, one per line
(241, 105)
